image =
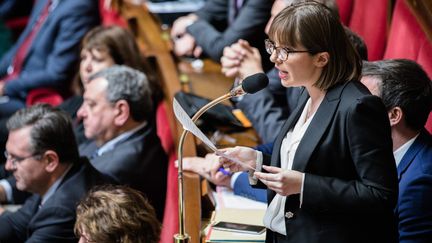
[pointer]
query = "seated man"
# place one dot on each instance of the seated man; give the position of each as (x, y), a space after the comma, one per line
(118, 116)
(116, 214)
(43, 155)
(220, 23)
(46, 52)
(406, 92)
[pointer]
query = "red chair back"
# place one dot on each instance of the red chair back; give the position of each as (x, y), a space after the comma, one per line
(345, 10)
(369, 20)
(408, 40)
(170, 220)
(44, 95)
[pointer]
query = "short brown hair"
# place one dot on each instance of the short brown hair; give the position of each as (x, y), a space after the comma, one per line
(314, 26)
(117, 214)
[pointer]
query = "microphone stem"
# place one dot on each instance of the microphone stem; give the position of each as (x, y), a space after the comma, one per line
(182, 237)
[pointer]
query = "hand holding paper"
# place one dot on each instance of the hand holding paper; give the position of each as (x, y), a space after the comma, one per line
(189, 125)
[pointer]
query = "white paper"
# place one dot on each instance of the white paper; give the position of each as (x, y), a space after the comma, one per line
(190, 126)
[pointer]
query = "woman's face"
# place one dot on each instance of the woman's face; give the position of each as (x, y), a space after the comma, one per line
(299, 69)
(93, 61)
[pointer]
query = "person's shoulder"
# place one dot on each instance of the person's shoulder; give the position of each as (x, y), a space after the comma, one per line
(424, 156)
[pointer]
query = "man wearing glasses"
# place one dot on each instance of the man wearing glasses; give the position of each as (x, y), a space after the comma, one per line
(42, 154)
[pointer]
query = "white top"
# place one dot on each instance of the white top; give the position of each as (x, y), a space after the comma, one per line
(274, 218)
(400, 152)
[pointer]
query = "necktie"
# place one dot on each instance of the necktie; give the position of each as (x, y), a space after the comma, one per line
(22, 51)
(237, 6)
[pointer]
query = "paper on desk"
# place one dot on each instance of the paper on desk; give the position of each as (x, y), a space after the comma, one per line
(189, 125)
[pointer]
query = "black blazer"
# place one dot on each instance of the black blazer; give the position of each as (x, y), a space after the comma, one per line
(55, 219)
(350, 187)
(139, 162)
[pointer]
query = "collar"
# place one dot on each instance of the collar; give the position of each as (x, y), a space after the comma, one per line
(54, 186)
(400, 152)
(110, 145)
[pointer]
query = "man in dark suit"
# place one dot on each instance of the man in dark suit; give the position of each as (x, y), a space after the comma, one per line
(51, 51)
(406, 92)
(118, 117)
(42, 154)
(220, 23)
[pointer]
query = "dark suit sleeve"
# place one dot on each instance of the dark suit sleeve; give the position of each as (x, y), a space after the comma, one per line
(243, 188)
(55, 225)
(214, 12)
(13, 226)
(63, 56)
(415, 209)
(253, 15)
(266, 115)
(367, 132)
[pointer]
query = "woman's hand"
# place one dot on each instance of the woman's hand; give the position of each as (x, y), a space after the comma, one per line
(283, 182)
(246, 155)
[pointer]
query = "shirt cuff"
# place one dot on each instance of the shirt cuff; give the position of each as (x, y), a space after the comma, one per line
(8, 189)
(301, 190)
(259, 162)
(234, 179)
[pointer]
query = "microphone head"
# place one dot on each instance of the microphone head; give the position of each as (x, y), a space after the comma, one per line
(255, 83)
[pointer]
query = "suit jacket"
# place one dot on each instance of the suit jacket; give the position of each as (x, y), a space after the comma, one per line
(54, 52)
(139, 162)
(350, 184)
(55, 219)
(414, 208)
(269, 108)
(213, 31)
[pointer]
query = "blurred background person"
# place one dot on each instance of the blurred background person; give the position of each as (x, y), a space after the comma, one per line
(42, 154)
(102, 47)
(406, 91)
(46, 52)
(117, 113)
(220, 23)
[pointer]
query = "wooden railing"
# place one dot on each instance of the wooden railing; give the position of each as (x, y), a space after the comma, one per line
(154, 43)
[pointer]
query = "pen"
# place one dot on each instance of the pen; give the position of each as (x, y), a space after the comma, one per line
(227, 173)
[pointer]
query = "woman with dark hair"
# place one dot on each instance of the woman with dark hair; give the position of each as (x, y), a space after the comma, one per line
(331, 176)
(116, 214)
(102, 47)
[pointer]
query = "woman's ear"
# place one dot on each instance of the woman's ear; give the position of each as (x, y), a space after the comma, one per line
(321, 59)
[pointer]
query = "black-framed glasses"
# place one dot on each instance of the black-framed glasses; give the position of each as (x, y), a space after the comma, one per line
(282, 53)
(15, 159)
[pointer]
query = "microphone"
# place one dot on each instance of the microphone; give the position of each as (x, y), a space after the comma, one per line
(250, 85)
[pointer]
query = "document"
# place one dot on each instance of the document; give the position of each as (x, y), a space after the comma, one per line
(190, 126)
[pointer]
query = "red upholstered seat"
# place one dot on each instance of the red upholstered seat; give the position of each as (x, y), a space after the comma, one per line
(170, 220)
(369, 20)
(408, 40)
(44, 95)
(110, 16)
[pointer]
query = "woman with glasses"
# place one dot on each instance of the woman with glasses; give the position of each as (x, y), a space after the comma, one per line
(331, 176)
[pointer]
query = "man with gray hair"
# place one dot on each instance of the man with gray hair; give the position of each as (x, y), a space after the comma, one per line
(42, 154)
(118, 118)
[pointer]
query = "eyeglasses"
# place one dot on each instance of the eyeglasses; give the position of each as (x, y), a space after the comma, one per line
(16, 160)
(282, 53)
